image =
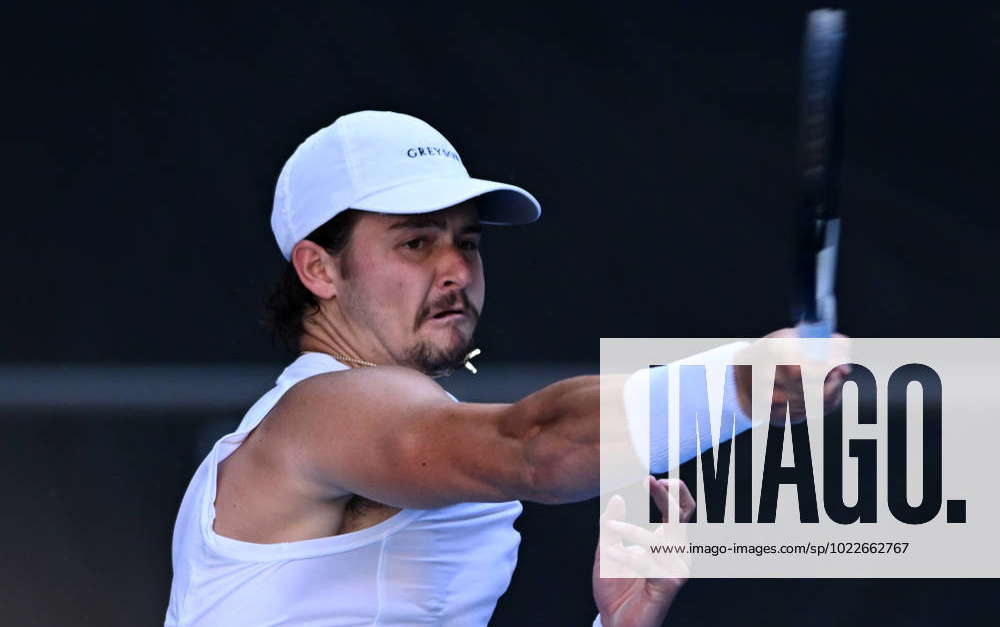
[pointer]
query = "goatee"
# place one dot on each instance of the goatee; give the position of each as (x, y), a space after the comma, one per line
(437, 362)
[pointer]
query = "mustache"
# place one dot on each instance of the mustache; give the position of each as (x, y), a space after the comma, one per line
(448, 301)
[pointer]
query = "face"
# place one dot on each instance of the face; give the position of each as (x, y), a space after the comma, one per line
(415, 287)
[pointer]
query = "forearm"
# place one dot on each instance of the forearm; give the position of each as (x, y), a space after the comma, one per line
(559, 432)
(559, 427)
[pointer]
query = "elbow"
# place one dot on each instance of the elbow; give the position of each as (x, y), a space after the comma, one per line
(567, 477)
(559, 444)
(539, 487)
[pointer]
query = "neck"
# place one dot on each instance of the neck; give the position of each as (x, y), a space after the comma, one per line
(321, 335)
(311, 344)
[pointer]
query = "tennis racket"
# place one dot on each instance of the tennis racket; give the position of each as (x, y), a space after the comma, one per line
(820, 151)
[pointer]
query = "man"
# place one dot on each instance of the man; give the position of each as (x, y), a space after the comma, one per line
(368, 495)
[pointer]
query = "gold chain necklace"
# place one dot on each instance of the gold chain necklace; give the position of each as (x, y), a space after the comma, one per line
(352, 361)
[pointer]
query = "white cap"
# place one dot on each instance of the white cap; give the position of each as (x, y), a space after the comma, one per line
(388, 163)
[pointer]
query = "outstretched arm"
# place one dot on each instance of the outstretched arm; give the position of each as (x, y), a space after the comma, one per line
(395, 436)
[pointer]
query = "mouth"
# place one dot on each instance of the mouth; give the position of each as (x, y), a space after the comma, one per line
(448, 315)
(452, 310)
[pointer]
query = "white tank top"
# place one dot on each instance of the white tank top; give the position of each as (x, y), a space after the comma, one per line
(444, 566)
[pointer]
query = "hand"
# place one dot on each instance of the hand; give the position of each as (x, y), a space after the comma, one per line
(639, 602)
(787, 392)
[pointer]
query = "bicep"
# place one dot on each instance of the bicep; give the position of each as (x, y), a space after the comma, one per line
(397, 438)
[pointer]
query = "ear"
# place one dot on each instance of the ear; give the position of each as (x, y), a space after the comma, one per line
(316, 269)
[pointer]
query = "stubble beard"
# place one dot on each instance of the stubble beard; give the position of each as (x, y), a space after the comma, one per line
(433, 360)
(424, 355)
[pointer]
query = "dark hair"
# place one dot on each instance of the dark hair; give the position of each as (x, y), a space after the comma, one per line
(289, 302)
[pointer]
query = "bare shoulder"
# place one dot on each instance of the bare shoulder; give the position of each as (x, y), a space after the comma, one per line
(363, 387)
(355, 406)
(375, 432)
(394, 436)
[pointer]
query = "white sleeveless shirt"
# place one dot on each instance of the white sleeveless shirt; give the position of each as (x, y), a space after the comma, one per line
(444, 566)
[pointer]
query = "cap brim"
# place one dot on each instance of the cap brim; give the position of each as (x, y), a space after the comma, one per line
(498, 203)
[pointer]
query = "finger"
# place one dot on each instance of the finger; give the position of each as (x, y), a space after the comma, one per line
(615, 563)
(832, 386)
(660, 491)
(785, 373)
(844, 369)
(632, 533)
(614, 511)
(687, 502)
(839, 372)
(623, 562)
(667, 491)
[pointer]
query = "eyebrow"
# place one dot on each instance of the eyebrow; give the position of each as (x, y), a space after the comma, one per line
(423, 222)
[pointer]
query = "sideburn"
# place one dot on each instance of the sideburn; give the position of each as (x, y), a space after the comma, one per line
(344, 263)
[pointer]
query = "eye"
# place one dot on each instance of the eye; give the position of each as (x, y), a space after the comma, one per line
(414, 244)
(469, 244)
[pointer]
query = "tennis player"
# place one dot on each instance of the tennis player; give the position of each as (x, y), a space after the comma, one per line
(357, 491)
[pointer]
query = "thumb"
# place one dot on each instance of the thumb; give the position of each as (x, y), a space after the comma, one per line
(614, 511)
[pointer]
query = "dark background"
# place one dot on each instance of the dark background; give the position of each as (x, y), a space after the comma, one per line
(140, 150)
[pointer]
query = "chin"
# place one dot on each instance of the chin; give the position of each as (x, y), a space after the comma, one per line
(438, 359)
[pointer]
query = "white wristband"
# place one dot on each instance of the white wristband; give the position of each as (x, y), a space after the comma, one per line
(648, 426)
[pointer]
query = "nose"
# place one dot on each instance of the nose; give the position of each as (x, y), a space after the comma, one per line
(455, 268)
